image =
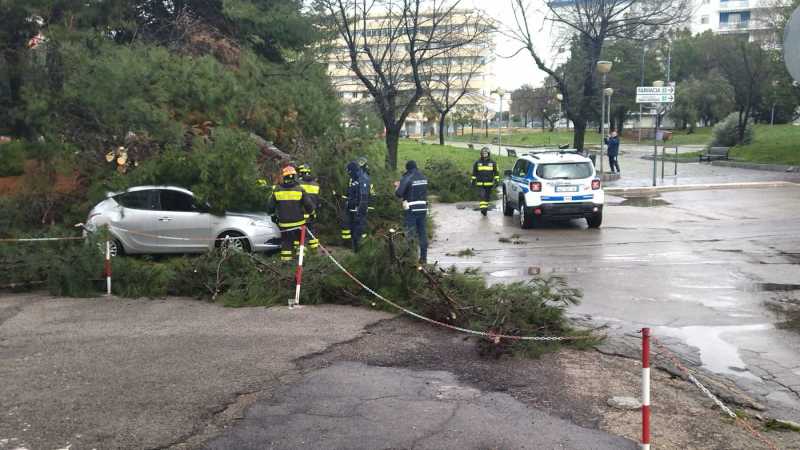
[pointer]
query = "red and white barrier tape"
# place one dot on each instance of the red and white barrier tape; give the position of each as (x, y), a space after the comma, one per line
(298, 276)
(51, 239)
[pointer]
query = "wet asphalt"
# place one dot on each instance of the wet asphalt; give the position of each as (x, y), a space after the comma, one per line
(696, 265)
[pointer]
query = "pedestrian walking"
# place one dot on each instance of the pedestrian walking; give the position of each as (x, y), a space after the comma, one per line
(486, 177)
(612, 141)
(413, 189)
(290, 203)
(354, 223)
(311, 187)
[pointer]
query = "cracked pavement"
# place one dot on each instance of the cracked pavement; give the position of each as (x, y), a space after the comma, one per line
(351, 405)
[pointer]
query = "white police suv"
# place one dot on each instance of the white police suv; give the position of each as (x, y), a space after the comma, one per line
(553, 184)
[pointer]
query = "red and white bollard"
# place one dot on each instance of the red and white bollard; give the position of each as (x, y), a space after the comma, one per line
(107, 268)
(298, 275)
(645, 388)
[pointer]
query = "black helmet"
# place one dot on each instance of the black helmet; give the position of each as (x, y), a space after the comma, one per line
(304, 170)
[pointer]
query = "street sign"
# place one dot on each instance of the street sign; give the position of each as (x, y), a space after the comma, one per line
(653, 94)
(662, 90)
(655, 98)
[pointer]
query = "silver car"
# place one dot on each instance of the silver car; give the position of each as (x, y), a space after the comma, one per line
(167, 219)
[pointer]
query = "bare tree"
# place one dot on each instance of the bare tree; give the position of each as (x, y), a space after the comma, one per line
(588, 24)
(449, 79)
(388, 43)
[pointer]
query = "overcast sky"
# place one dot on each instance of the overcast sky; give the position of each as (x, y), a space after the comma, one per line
(513, 72)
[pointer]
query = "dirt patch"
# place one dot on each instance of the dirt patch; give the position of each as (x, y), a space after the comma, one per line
(64, 184)
(570, 384)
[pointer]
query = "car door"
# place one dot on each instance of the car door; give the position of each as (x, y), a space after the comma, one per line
(137, 219)
(518, 175)
(184, 226)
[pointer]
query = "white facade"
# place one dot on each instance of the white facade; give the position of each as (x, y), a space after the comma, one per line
(732, 16)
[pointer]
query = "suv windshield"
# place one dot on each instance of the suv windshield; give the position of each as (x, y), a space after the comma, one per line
(564, 171)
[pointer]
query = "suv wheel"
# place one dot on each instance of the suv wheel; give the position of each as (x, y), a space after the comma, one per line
(595, 220)
(508, 210)
(526, 218)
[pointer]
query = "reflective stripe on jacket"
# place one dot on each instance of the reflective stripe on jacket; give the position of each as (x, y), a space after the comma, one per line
(290, 202)
(413, 189)
(312, 190)
(484, 173)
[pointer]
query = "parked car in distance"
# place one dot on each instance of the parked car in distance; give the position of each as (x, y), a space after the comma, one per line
(553, 184)
(168, 219)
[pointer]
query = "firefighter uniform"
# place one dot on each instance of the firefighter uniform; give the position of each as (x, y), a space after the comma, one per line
(354, 220)
(290, 203)
(312, 190)
(485, 176)
(413, 189)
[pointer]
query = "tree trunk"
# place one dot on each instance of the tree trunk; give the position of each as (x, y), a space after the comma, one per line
(392, 140)
(441, 127)
(580, 129)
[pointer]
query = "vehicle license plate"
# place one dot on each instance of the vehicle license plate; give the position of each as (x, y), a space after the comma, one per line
(567, 188)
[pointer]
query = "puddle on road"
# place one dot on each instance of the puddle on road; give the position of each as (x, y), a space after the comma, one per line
(716, 354)
(644, 202)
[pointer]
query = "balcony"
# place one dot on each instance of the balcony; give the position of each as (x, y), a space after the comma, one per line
(735, 5)
(734, 26)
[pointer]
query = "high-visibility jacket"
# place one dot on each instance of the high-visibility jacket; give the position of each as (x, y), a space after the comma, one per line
(413, 189)
(484, 173)
(312, 190)
(291, 203)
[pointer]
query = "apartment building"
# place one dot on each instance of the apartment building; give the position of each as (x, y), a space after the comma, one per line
(468, 67)
(749, 17)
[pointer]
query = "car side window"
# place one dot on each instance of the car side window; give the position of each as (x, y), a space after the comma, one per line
(137, 200)
(521, 169)
(176, 201)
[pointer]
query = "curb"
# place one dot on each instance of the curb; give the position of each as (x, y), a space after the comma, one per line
(649, 190)
(756, 166)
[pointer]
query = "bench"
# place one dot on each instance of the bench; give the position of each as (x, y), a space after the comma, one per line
(713, 153)
(511, 152)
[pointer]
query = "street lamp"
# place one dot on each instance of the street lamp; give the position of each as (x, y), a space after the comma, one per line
(603, 67)
(500, 93)
(608, 93)
(657, 83)
(560, 99)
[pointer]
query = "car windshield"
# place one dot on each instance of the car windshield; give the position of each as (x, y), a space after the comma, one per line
(564, 171)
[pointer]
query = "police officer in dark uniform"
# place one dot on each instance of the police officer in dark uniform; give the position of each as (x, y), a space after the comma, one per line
(486, 177)
(311, 187)
(413, 189)
(356, 205)
(290, 203)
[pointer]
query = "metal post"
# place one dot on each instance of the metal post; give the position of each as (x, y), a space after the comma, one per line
(500, 127)
(655, 146)
(107, 267)
(676, 160)
(645, 388)
(602, 122)
(639, 141)
(663, 160)
(298, 276)
(772, 116)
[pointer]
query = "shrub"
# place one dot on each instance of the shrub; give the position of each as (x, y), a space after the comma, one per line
(449, 182)
(12, 159)
(726, 133)
(135, 277)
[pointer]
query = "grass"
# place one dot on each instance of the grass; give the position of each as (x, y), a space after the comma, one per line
(700, 136)
(771, 145)
(519, 136)
(463, 158)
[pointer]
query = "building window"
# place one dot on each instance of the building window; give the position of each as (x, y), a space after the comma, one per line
(340, 94)
(704, 20)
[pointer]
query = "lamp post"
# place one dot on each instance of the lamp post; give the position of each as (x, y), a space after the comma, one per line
(500, 93)
(657, 83)
(608, 92)
(603, 67)
(560, 99)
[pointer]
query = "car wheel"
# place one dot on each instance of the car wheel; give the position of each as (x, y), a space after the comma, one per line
(508, 210)
(595, 220)
(234, 241)
(526, 217)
